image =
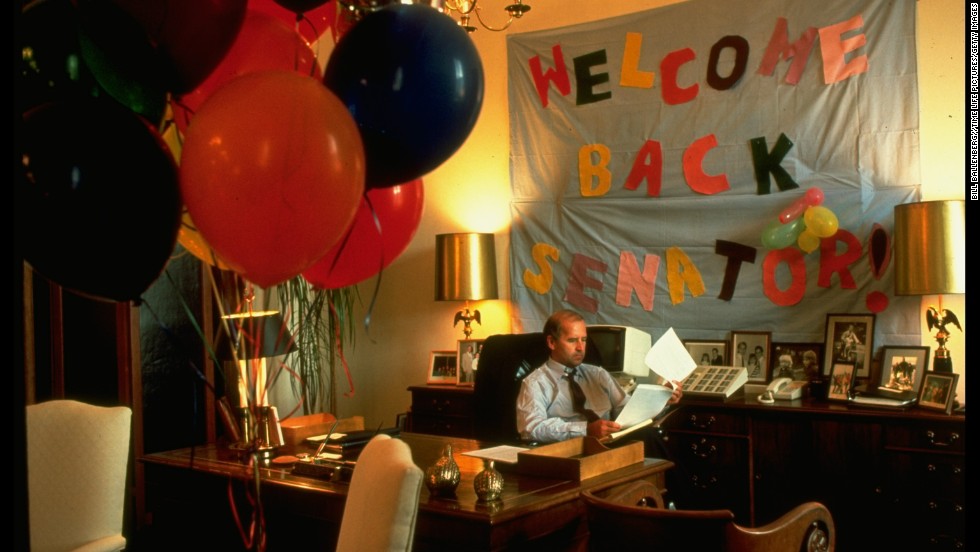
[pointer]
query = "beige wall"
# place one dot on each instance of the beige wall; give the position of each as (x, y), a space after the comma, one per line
(471, 192)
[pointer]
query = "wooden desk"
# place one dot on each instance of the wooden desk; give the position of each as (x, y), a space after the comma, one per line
(187, 499)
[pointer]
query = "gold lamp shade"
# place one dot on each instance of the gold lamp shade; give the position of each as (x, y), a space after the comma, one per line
(930, 238)
(466, 267)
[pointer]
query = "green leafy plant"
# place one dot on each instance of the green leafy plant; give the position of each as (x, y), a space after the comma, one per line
(322, 324)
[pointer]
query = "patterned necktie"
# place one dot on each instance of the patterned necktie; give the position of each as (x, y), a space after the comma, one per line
(578, 396)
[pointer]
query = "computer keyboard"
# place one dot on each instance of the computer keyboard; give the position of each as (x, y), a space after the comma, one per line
(870, 400)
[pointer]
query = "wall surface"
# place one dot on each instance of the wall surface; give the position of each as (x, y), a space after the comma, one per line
(471, 192)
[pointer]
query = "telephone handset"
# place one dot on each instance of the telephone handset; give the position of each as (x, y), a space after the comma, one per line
(783, 389)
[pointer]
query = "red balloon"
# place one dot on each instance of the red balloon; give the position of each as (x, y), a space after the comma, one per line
(370, 245)
(311, 24)
(264, 43)
(192, 35)
(272, 172)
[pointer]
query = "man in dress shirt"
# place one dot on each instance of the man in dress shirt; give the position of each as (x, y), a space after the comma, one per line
(545, 406)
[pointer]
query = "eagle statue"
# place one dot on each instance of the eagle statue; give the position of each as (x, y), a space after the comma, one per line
(466, 317)
(937, 318)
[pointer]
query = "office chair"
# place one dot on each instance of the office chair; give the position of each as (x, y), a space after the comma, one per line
(382, 500)
(636, 515)
(77, 460)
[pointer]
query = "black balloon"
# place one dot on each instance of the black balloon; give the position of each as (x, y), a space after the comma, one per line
(94, 51)
(97, 198)
(413, 81)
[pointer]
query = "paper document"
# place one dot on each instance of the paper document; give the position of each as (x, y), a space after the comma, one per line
(669, 358)
(647, 401)
(503, 453)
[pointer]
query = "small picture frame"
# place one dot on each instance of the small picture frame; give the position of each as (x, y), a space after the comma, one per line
(750, 350)
(841, 381)
(938, 391)
(707, 352)
(467, 359)
(804, 361)
(902, 369)
(849, 338)
(442, 368)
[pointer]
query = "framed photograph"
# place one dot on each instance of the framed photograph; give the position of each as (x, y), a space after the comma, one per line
(751, 351)
(902, 369)
(938, 391)
(800, 361)
(442, 368)
(467, 358)
(849, 338)
(707, 353)
(841, 380)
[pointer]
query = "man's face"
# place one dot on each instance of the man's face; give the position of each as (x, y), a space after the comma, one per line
(569, 349)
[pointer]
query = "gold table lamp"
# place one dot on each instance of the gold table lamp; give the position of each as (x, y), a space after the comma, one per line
(466, 270)
(930, 238)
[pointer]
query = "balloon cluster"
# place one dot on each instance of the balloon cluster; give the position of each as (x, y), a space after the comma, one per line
(804, 223)
(273, 167)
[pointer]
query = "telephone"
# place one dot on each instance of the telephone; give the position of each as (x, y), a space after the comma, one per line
(783, 389)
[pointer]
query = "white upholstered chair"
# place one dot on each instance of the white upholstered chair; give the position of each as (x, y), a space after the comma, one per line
(77, 457)
(383, 499)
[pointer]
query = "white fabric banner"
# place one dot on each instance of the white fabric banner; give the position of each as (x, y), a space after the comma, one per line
(650, 152)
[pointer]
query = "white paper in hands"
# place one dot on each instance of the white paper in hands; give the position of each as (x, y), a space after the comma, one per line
(646, 403)
(669, 358)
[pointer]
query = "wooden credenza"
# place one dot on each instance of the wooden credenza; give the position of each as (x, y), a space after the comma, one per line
(893, 480)
(442, 410)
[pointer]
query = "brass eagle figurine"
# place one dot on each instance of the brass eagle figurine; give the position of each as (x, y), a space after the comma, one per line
(466, 317)
(940, 318)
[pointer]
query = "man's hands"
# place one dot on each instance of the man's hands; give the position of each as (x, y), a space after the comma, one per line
(602, 428)
(676, 394)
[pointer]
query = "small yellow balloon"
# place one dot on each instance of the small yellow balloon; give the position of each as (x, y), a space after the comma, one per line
(821, 221)
(194, 242)
(808, 241)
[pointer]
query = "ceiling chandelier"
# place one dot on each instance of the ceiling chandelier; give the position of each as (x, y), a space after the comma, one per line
(466, 9)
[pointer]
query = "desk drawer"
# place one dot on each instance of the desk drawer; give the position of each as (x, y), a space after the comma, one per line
(441, 404)
(442, 425)
(935, 436)
(707, 421)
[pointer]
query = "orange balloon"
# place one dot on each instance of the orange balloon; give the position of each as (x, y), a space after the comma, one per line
(272, 172)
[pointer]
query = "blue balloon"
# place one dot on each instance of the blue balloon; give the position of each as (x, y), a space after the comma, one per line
(413, 81)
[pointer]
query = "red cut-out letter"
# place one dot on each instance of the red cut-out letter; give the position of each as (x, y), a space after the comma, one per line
(632, 279)
(579, 279)
(831, 262)
(834, 48)
(697, 180)
(648, 164)
(780, 47)
(669, 67)
(793, 294)
(558, 75)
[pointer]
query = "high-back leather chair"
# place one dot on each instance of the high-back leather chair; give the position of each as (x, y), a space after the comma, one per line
(636, 516)
(505, 360)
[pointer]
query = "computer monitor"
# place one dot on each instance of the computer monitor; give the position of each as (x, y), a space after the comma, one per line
(621, 348)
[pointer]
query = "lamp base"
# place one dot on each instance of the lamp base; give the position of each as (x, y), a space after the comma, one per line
(256, 433)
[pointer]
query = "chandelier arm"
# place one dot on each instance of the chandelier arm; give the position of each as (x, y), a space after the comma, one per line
(488, 27)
